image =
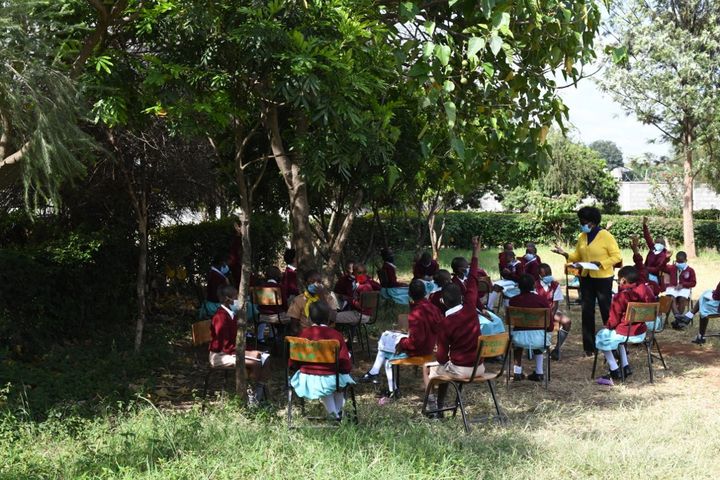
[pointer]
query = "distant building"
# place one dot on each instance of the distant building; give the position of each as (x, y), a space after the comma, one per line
(638, 196)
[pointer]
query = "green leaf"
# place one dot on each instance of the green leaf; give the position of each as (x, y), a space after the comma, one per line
(486, 6)
(430, 27)
(496, 43)
(475, 44)
(449, 86)
(428, 49)
(442, 52)
(451, 112)
(501, 20)
(489, 69)
(459, 146)
(408, 10)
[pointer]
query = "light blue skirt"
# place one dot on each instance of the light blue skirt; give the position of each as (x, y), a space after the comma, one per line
(492, 325)
(511, 292)
(393, 356)
(653, 278)
(708, 306)
(314, 387)
(398, 295)
(531, 339)
(607, 339)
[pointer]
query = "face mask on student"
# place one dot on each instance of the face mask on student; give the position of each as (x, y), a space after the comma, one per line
(466, 272)
(529, 257)
(681, 266)
(585, 228)
(548, 279)
(224, 269)
(659, 247)
(313, 288)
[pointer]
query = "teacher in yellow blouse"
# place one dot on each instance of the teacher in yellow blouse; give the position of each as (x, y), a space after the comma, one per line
(596, 246)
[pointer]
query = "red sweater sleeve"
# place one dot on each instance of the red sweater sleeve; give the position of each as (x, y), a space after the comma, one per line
(345, 364)
(471, 285)
(716, 292)
(442, 343)
(648, 238)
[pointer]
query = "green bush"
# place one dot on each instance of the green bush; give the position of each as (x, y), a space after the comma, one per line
(498, 228)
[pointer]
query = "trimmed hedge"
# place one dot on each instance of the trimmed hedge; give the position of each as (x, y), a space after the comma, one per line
(498, 228)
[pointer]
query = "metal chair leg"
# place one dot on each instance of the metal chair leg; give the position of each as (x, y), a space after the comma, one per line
(494, 397)
(657, 346)
(289, 408)
(592, 376)
(354, 404)
(459, 401)
(649, 360)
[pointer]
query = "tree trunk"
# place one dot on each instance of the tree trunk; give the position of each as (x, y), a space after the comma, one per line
(141, 276)
(688, 223)
(338, 241)
(302, 239)
(243, 290)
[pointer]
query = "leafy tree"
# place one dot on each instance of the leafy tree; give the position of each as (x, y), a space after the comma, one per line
(666, 70)
(609, 152)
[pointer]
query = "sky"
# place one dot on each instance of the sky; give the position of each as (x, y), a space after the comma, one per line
(595, 116)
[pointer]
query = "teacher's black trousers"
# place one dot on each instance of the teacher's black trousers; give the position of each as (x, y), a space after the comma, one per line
(592, 290)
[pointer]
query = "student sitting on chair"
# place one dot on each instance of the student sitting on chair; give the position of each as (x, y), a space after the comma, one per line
(425, 268)
(507, 286)
(643, 274)
(289, 277)
(423, 322)
(682, 280)
(502, 258)
(657, 256)
(363, 285)
(708, 304)
(223, 332)
(442, 278)
(300, 307)
(531, 261)
(216, 278)
(547, 286)
(458, 332)
(317, 380)
(345, 286)
(390, 288)
(616, 333)
(535, 340)
(272, 313)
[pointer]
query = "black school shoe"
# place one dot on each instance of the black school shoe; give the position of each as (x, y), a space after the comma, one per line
(627, 371)
(518, 376)
(369, 378)
(536, 377)
(698, 340)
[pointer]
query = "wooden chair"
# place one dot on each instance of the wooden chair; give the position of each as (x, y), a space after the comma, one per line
(368, 301)
(639, 313)
(488, 346)
(314, 351)
(268, 297)
(666, 282)
(201, 337)
(712, 317)
(571, 271)
(529, 319)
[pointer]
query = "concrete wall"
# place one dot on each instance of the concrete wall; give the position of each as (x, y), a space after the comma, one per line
(637, 196)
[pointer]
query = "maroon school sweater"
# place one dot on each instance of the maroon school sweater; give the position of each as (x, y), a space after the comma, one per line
(423, 322)
(685, 279)
(654, 262)
(618, 308)
(532, 300)
(223, 330)
(458, 333)
(421, 271)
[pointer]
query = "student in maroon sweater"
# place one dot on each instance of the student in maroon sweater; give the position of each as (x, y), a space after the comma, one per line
(641, 269)
(426, 267)
(289, 278)
(616, 332)
(708, 304)
(388, 271)
(423, 322)
(364, 284)
(458, 331)
(317, 380)
(441, 279)
(502, 259)
(657, 256)
(345, 286)
(531, 262)
(549, 288)
(513, 268)
(530, 339)
(223, 332)
(276, 314)
(682, 281)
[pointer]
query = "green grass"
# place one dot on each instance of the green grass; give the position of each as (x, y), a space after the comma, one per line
(76, 414)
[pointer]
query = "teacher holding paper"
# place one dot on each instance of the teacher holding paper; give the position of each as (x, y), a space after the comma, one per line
(598, 249)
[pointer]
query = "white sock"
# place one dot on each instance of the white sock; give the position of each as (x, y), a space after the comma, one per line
(539, 363)
(432, 402)
(689, 315)
(379, 361)
(517, 369)
(623, 355)
(339, 402)
(389, 375)
(329, 402)
(612, 363)
(492, 298)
